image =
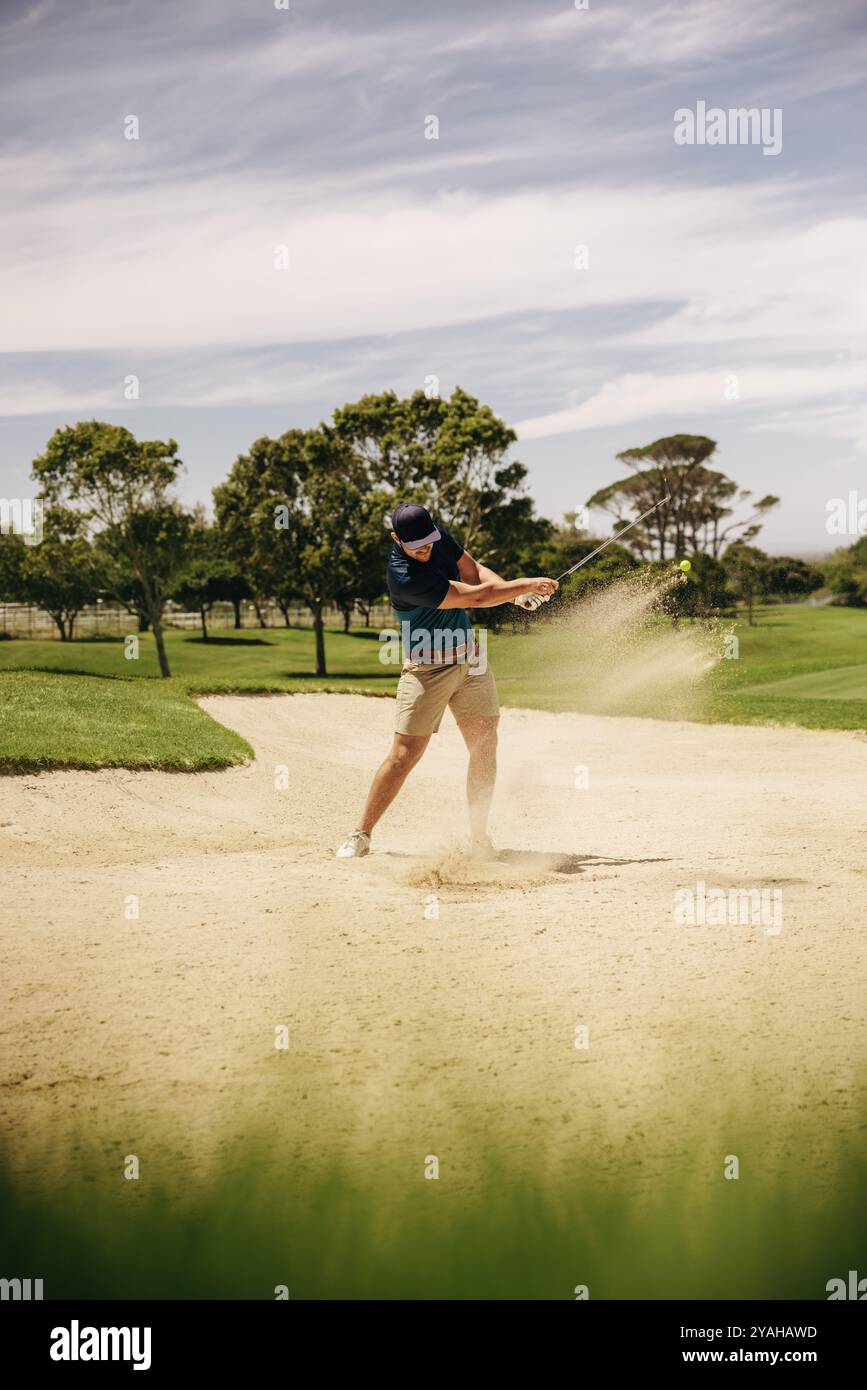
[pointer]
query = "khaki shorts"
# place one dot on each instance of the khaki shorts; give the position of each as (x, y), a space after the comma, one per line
(424, 691)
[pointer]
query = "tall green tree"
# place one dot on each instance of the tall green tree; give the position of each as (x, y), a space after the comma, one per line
(207, 574)
(370, 547)
(60, 575)
(152, 543)
(450, 455)
(260, 481)
(700, 514)
(235, 506)
(293, 504)
(122, 487)
(320, 528)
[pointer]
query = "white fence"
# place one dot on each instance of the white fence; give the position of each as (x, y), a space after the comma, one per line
(21, 620)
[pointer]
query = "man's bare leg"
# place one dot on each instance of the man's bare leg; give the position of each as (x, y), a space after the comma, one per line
(403, 755)
(480, 736)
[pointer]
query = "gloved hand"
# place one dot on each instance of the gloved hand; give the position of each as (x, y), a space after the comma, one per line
(531, 602)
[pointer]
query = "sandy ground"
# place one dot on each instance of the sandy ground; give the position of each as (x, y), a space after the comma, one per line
(408, 1029)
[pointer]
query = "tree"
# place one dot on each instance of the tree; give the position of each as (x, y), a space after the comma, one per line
(707, 512)
(694, 518)
(846, 574)
(229, 586)
(125, 589)
(788, 577)
(564, 545)
(512, 534)
(291, 505)
(123, 488)
(746, 569)
(701, 592)
(60, 574)
(450, 455)
(160, 537)
(207, 573)
(370, 545)
(260, 481)
(235, 503)
(752, 574)
(11, 555)
(329, 498)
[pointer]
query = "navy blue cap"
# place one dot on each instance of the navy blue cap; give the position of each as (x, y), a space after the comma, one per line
(414, 526)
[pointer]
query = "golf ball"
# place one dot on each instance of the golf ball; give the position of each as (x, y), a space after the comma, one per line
(685, 566)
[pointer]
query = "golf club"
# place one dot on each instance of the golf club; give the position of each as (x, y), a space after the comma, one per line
(616, 537)
(610, 541)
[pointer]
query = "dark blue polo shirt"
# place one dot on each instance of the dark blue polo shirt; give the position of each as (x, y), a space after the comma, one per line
(417, 588)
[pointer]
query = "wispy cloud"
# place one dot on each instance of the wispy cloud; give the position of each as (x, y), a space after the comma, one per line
(115, 273)
(455, 256)
(647, 395)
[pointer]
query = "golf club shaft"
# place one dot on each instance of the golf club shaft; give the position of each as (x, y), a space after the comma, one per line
(611, 539)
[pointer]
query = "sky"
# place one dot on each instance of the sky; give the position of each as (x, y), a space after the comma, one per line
(285, 233)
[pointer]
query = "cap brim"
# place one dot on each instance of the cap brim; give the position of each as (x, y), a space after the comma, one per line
(425, 540)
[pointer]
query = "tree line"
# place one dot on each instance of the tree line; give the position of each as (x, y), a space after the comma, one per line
(303, 519)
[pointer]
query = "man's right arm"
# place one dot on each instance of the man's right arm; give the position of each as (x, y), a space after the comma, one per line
(492, 592)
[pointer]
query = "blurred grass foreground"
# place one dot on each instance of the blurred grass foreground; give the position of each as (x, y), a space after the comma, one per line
(260, 1230)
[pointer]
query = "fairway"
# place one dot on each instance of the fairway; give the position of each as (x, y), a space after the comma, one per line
(800, 666)
(845, 683)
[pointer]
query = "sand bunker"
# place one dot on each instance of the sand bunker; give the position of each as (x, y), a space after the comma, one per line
(417, 987)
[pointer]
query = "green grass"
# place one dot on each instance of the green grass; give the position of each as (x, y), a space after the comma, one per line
(798, 666)
(54, 720)
(82, 704)
(847, 683)
(367, 1231)
(276, 659)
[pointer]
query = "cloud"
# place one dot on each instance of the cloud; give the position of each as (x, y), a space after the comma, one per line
(833, 421)
(645, 396)
(455, 257)
(673, 35)
(197, 267)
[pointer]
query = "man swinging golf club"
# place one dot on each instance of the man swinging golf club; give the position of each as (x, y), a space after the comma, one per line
(432, 582)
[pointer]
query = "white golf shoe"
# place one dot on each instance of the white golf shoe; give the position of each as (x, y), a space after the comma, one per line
(355, 846)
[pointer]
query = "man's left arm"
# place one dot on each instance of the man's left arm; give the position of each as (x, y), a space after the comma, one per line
(472, 572)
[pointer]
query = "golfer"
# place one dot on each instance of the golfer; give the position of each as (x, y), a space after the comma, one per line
(432, 581)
